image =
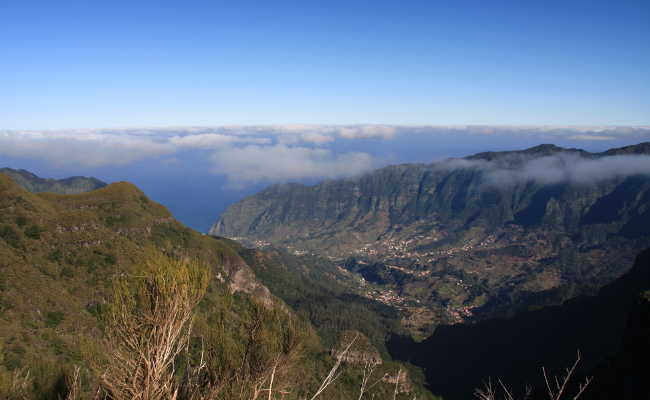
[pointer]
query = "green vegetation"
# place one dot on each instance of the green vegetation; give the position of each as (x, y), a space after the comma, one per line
(35, 184)
(10, 236)
(319, 294)
(53, 318)
(92, 256)
(33, 232)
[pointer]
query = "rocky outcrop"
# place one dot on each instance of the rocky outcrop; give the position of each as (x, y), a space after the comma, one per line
(240, 278)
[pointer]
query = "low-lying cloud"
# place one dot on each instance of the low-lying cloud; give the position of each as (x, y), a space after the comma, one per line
(256, 153)
(368, 132)
(251, 164)
(591, 137)
(213, 140)
(88, 149)
(559, 168)
(101, 147)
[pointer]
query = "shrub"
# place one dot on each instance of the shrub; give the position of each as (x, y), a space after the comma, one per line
(67, 272)
(13, 357)
(55, 256)
(9, 235)
(148, 326)
(53, 318)
(33, 232)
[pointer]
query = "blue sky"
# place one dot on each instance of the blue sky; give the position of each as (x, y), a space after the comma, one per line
(202, 103)
(122, 64)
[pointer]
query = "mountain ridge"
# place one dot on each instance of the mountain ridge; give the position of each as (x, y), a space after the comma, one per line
(541, 220)
(36, 184)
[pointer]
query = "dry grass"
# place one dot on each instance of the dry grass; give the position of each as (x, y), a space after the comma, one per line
(73, 382)
(21, 383)
(149, 327)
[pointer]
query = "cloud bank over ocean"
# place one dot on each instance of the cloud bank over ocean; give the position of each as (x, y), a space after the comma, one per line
(252, 154)
(252, 164)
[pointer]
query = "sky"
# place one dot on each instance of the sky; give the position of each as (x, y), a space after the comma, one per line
(91, 64)
(202, 103)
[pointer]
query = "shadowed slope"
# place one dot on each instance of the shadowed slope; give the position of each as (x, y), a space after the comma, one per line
(459, 358)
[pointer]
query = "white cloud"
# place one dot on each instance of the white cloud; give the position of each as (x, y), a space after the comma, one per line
(367, 132)
(550, 132)
(591, 137)
(100, 147)
(204, 140)
(575, 169)
(570, 132)
(321, 134)
(280, 162)
(559, 168)
(88, 149)
(95, 148)
(213, 140)
(316, 138)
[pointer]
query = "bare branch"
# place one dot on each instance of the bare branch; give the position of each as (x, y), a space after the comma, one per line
(332, 376)
(560, 386)
(368, 370)
(21, 380)
(555, 391)
(397, 378)
(487, 393)
(74, 385)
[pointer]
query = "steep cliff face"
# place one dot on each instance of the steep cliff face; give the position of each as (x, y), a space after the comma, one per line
(482, 192)
(36, 184)
(467, 235)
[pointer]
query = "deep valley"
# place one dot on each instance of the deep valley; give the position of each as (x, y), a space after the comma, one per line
(465, 239)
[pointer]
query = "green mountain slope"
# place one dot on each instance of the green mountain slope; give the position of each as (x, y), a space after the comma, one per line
(316, 289)
(466, 238)
(59, 255)
(36, 184)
